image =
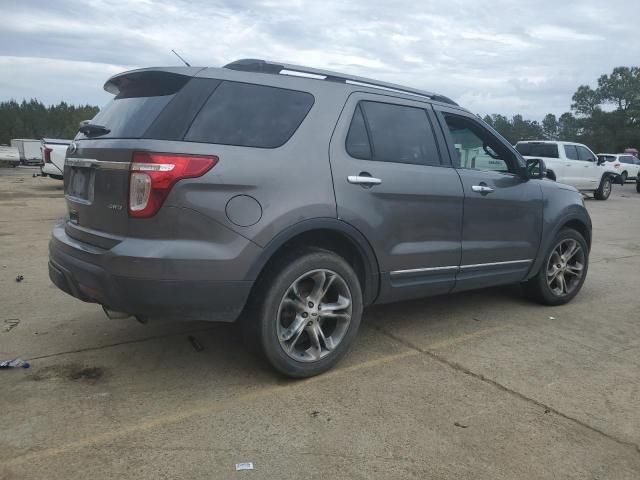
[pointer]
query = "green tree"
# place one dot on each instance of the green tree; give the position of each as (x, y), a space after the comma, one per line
(550, 127)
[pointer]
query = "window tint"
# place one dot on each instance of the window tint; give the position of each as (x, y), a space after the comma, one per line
(400, 134)
(250, 115)
(477, 148)
(607, 158)
(140, 99)
(571, 152)
(627, 159)
(584, 154)
(357, 139)
(548, 150)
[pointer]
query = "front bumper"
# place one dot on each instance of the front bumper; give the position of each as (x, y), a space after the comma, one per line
(76, 269)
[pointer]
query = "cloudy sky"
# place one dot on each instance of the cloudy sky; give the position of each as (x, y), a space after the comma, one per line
(495, 56)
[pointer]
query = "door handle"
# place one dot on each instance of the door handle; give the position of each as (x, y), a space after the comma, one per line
(567, 164)
(481, 189)
(586, 166)
(363, 180)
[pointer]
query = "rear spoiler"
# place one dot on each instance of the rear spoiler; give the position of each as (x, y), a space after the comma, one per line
(119, 82)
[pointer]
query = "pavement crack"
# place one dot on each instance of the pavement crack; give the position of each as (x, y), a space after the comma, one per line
(462, 369)
(125, 342)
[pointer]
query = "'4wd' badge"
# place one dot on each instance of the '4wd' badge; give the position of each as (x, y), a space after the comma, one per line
(114, 206)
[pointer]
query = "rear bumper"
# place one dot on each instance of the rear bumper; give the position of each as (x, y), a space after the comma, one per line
(81, 271)
(50, 169)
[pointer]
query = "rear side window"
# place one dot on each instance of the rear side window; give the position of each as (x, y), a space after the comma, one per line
(398, 133)
(547, 150)
(571, 152)
(141, 98)
(608, 158)
(627, 160)
(250, 115)
(357, 144)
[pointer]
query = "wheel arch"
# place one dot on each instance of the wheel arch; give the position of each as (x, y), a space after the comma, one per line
(331, 234)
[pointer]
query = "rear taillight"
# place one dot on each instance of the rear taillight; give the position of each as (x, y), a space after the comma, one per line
(153, 174)
(46, 154)
(616, 165)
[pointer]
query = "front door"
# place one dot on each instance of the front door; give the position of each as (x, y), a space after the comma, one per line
(392, 184)
(502, 218)
(591, 171)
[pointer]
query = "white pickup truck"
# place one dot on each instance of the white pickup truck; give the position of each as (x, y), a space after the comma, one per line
(573, 164)
(54, 151)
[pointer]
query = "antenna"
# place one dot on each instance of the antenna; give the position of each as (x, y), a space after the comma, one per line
(183, 60)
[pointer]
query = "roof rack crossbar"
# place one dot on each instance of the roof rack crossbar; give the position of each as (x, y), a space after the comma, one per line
(262, 66)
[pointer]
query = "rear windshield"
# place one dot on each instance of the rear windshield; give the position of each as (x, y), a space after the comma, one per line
(175, 107)
(548, 150)
(140, 100)
(608, 158)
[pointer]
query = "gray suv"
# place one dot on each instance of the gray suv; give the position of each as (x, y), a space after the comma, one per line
(291, 198)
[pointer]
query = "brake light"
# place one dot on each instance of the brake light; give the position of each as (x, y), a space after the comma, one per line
(153, 174)
(616, 165)
(46, 154)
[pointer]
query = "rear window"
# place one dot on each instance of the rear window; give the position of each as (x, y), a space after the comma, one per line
(250, 115)
(548, 150)
(141, 98)
(608, 158)
(398, 134)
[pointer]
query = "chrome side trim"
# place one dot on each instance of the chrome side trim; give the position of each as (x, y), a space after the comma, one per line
(93, 163)
(494, 264)
(424, 270)
(456, 268)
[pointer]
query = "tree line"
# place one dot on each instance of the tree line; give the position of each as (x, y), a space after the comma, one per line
(605, 118)
(32, 119)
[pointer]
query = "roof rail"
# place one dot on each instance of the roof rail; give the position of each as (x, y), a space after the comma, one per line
(262, 66)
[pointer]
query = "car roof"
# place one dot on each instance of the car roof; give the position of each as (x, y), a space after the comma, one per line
(555, 142)
(298, 73)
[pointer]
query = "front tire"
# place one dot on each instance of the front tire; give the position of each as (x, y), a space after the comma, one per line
(306, 312)
(563, 271)
(604, 190)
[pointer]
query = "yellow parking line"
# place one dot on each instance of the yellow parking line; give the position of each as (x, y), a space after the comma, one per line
(211, 407)
(202, 410)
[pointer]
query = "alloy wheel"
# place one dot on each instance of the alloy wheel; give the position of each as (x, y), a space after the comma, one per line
(565, 267)
(314, 315)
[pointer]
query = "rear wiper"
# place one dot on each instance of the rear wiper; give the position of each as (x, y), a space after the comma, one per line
(92, 129)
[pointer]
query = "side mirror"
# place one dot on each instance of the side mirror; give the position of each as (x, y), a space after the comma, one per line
(535, 168)
(601, 161)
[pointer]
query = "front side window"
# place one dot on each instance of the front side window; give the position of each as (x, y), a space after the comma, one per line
(584, 154)
(396, 133)
(571, 152)
(477, 148)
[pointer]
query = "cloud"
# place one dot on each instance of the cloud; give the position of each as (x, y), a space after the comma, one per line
(503, 56)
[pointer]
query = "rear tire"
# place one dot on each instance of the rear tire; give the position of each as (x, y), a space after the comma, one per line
(638, 185)
(558, 281)
(300, 330)
(604, 190)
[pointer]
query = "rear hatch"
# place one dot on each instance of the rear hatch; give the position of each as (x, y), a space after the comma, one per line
(151, 108)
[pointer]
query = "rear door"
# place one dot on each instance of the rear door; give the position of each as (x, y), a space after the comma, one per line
(572, 173)
(502, 220)
(391, 184)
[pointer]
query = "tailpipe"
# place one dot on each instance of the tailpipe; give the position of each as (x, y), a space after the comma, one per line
(113, 315)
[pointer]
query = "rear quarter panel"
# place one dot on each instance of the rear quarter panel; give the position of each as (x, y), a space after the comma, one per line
(292, 183)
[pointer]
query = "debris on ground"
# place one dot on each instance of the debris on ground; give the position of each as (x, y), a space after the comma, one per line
(11, 323)
(14, 363)
(315, 413)
(552, 318)
(476, 319)
(195, 343)
(244, 466)
(19, 278)
(546, 410)
(461, 425)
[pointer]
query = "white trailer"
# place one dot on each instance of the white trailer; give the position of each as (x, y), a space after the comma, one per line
(29, 149)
